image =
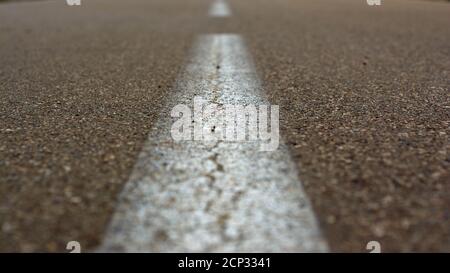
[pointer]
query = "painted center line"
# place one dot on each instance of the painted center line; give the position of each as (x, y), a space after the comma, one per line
(219, 8)
(192, 196)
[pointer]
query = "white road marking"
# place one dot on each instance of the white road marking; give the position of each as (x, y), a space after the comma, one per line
(219, 8)
(216, 197)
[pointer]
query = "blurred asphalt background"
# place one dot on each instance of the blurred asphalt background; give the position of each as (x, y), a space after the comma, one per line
(363, 94)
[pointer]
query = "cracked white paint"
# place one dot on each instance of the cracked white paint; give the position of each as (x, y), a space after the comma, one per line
(219, 196)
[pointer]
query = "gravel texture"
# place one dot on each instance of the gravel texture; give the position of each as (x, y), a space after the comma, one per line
(365, 106)
(80, 88)
(363, 95)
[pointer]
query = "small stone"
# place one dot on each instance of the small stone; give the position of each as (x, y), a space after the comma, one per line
(7, 227)
(75, 199)
(331, 219)
(378, 230)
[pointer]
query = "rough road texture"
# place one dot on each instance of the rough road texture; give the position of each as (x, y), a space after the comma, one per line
(214, 196)
(365, 106)
(80, 88)
(363, 95)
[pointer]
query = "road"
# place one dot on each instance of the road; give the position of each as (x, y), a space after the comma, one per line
(363, 95)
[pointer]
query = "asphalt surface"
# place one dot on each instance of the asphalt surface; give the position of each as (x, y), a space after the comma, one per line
(214, 195)
(363, 95)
